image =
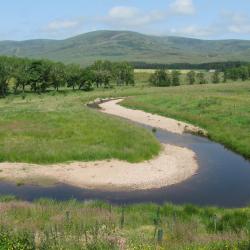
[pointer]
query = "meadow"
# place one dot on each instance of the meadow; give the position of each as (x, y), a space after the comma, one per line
(58, 127)
(48, 224)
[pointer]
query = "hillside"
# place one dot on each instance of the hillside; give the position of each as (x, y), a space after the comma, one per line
(129, 46)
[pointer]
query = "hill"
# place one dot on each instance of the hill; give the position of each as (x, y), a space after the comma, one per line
(129, 46)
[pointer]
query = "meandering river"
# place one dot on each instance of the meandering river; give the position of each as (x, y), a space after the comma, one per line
(223, 179)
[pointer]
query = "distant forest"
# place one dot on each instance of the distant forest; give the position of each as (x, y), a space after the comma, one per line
(220, 66)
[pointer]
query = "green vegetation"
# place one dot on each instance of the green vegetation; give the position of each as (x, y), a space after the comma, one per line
(220, 66)
(236, 73)
(47, 224)
(57, 127)
(39, 76)
(166, 78)
(129, 46)
(222, 109)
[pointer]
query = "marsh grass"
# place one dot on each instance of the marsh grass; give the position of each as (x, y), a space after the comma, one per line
(48, 224)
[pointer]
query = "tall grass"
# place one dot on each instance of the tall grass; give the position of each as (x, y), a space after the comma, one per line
(47, 224)
(58, 127)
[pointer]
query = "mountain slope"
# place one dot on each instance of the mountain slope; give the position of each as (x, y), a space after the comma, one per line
(129, 46)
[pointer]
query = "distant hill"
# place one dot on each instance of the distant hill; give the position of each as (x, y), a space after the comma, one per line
(129, 46)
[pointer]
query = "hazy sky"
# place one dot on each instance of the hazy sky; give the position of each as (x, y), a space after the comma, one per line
(208, 19)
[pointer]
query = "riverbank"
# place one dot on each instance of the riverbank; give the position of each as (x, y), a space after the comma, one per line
(173, 165)
(155, 121)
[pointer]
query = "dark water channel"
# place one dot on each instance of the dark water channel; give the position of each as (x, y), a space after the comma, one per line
(222, 180)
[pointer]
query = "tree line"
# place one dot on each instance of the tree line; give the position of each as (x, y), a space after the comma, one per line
(38, 76)
(220, 66)
(166, 78)
(236, 73)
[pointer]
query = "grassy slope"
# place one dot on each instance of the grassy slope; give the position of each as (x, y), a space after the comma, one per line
(95, 225)
(224, 110)
(59, 128)
(129, 46)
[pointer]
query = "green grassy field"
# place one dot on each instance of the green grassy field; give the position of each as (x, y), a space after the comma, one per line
(57, 127)
(47, 224)
(223, 110)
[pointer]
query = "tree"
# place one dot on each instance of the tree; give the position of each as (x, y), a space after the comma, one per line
(176, 77)
(216, 77)
(73, 76)
(191, 77)
(201, 78)
(123, 73)
(102, 73)
(160, 78)
(101, 77)
(39, 76)
(86, 79)
(243, 72)
(21, 74)
(225, 76)
(4, 76)
(233, 73)
(57, 76)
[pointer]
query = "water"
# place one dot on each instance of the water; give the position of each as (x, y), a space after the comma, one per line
(223, 180)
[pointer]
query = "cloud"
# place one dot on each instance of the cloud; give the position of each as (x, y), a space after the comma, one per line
(194, 31)
(182, 7)
(60, 25)
(227, 24)
(237, 22)
(131, 17)
(123, 12)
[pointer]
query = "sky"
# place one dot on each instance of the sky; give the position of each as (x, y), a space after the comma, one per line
(59, 19)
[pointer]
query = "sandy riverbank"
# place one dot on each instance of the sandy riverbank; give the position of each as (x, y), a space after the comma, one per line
(157, 121)
(172, 166)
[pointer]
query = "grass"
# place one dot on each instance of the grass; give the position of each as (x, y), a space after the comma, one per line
(57, 127)
(223, 110)
(48, 224)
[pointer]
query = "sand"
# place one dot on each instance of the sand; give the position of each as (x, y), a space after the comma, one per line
(157, 121)
(172, 166)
